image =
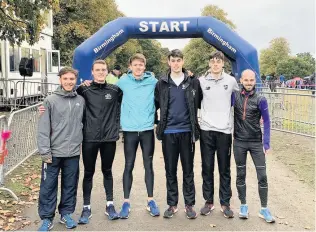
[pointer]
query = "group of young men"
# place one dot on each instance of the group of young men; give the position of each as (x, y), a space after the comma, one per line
(92, 114)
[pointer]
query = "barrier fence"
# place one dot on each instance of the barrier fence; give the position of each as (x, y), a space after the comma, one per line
(15, 94)
(289, 112)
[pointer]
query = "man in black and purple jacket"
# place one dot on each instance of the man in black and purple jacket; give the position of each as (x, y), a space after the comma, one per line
(249, 107)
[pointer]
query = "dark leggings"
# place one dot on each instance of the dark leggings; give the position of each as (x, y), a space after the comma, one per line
(89, 155)
(146, 139)
(256, 151)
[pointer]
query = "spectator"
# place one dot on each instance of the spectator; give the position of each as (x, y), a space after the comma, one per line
(114, 75)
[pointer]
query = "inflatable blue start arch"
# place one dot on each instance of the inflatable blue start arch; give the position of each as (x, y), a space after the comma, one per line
(115, 33)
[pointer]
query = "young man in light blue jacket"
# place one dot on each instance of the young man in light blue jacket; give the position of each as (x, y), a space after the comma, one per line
(137, 121)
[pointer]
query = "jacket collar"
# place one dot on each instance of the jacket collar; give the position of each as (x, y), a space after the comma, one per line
(167, 76)
(145, 75)
(208, 76)
(248, 93)
(99, 85)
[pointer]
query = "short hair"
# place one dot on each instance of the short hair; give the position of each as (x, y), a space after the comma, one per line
(99, 62)
(117, 67)
(137, 56)
(65, 70)
(218, 55)
(175, 53)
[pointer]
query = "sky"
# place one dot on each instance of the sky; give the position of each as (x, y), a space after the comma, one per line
(257, 21)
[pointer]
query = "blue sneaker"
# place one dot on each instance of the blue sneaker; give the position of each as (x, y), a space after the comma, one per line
(153, 208)
(243, 213)
(47, 225)
(85, 216)
(126, 208)
(68, 221)
(111, 213)
(266, 215)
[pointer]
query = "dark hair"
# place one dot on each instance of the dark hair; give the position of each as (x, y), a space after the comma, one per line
(117, 67)
(99, 62)
(65, 70)
(175, 53)
(218, 55)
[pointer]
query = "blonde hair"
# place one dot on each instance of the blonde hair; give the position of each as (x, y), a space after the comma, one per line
(137, 56)
(99, 62)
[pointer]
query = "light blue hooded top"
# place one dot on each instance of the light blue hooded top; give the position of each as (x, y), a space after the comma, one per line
(138, 107)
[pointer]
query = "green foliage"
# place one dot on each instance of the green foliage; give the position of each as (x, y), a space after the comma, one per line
(309, 59)
(278, 51)
(77, 20)
(23, 20)
(294, 67)
(156, 56)
(197, 51)
(218, 13)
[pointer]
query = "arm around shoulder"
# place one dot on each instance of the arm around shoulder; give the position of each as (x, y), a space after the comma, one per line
(44, 130)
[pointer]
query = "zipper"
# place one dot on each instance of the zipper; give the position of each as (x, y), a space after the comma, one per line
(69, 128)
(191, 114)
(245, 106)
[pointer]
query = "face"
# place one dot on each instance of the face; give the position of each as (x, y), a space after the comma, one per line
(248, 80)
(117, 72)
(176, 64)
(99, 73)
(216, 65)
(138, 67)
(68, 81)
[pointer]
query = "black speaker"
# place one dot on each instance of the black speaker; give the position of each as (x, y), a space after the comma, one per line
(26, 66)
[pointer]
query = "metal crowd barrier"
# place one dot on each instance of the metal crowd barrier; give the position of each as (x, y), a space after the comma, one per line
(22, 144)
(4, 126)
(292, 112)
(16, 94)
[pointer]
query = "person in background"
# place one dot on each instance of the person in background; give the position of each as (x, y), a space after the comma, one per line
(114, 75)
(282, 79)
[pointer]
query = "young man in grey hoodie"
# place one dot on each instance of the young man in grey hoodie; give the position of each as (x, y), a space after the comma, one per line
(58, 139)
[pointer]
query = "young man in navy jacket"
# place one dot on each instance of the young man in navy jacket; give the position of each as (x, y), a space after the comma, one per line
(178, 97)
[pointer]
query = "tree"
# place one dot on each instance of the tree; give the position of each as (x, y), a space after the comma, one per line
(279, 50)
(218, 13)
(23, 20)
(156, 56)
(197, 51)
(77, 20)
(294, 67)
(153, 53)
(309, 59)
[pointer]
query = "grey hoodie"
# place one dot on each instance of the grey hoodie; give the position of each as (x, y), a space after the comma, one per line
(60, 127)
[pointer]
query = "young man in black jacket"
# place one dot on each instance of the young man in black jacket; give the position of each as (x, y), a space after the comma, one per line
(178, 97)
(100, 133)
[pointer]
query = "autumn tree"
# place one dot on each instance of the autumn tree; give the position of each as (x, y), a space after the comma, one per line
(24, 20)
(197, 51)
(278, 51)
